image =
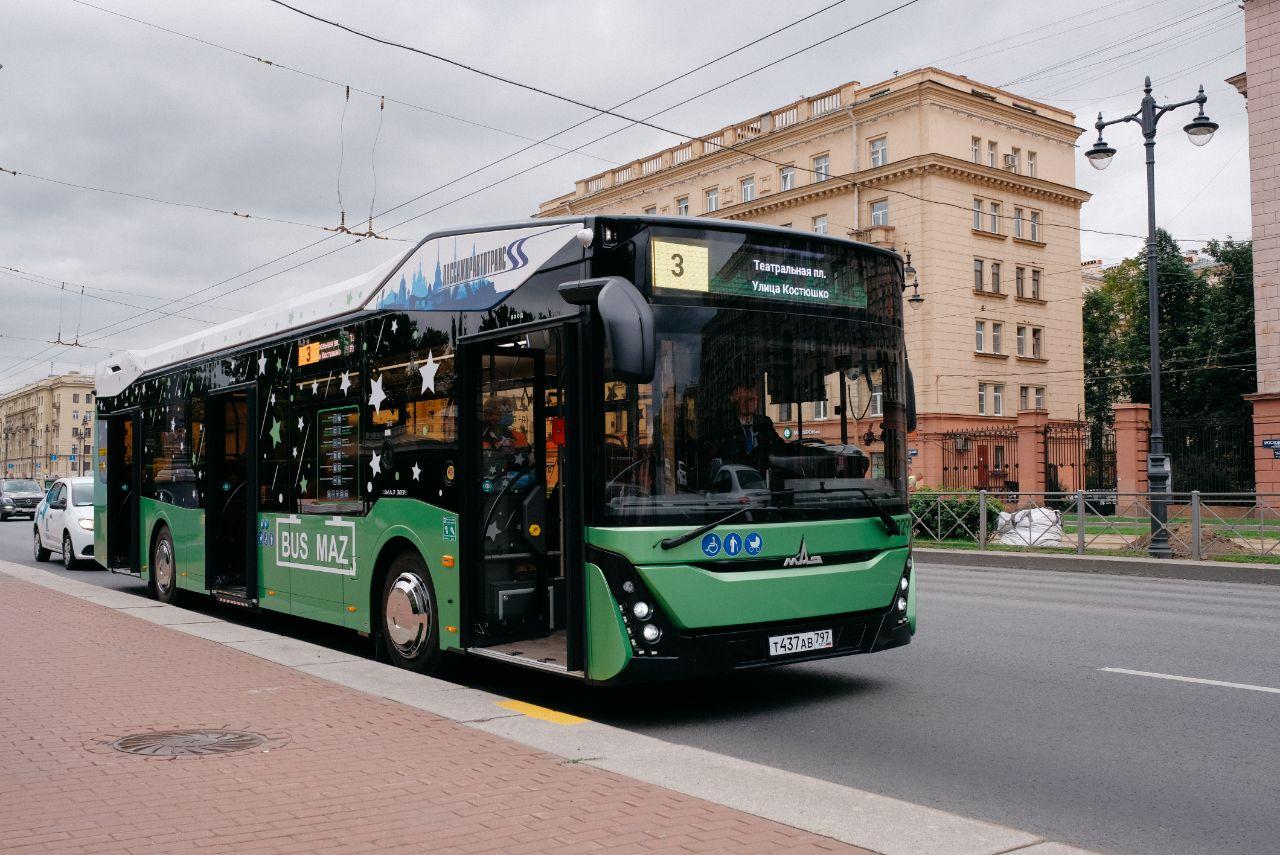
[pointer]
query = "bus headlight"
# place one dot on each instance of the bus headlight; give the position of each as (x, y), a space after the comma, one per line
(902, 604)
(641, 610)
(86, 523)
(651, 633)
(903, 584)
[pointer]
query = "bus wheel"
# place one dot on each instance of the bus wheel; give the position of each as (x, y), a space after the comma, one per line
(164, 568)
(41, 553)
(409, 633)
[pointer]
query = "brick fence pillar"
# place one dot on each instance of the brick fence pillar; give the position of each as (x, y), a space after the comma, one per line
(1031, 425)
(1133, 438)
(1266, 425)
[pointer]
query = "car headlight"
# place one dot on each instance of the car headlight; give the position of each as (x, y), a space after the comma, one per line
(86, 523)
(8, 503)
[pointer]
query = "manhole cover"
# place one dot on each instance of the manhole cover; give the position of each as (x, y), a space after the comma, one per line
(188, 743)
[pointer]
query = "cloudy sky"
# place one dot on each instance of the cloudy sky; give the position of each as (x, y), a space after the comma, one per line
(90, 98)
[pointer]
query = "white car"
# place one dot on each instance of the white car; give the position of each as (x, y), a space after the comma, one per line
(64, 522)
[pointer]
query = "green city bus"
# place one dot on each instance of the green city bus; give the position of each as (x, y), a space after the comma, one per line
(619, 449)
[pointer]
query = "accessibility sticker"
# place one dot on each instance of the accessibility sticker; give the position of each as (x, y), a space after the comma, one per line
(732, 544)
(754, 543)
(711, 545)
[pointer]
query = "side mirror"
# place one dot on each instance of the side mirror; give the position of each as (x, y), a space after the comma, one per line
(911, 399)
(627, 320)
(59, 505)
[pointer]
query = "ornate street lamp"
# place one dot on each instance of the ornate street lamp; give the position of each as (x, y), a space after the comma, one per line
(1199, 131)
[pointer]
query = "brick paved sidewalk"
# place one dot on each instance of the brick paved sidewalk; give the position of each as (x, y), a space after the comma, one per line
(345, 771)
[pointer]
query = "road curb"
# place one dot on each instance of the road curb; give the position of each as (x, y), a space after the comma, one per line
(858, 817)
(1152, 568)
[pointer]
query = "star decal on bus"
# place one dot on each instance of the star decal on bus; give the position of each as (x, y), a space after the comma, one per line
(346, 382)
(376, 395)
(416, 470)
(275, 431)
(262, 363)
(428, 372)
(375, 463)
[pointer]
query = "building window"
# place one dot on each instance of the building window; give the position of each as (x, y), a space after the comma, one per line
(88, 397)
(997, 399)
(1037, 343)
(977, 214)
(997, 337)
(1019, 278)
(1035, 284)
(748, 187)
(784, 411)
(979, 335)
(880, 151)
(1015, 155)
(877, 400)
(1017, 222)
(995, 218)
(1022, 341)
(682, 206)
(787, 178)
(982, 399)
(1023, 397)
(1031, 164)
(820, 224)
(880, 213)
(75, 397)
(1039, 397)
(822, 167)
(651, 210)
(819, 409)
(1035, 225)
(975, 149)
(75, 417)
(713, 199)
(977, 274)
(993, 153)
(995, 277)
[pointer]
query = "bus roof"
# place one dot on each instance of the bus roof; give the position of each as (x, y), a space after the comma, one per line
(116, 372)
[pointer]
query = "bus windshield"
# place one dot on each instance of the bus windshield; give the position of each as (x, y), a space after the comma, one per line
(798, 416)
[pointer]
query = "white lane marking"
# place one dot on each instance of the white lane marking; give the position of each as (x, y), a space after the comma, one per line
(1203, 682)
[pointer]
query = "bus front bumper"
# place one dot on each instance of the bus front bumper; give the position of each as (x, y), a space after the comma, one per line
(708, 653)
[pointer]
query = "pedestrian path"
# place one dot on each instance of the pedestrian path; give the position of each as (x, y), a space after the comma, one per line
(336, 770)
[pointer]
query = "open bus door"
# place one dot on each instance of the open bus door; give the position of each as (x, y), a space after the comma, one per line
(521, 524)
(231, 490)
(124, 477)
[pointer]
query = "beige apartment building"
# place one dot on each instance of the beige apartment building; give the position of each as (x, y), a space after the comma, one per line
(976, 183)
(47, 428)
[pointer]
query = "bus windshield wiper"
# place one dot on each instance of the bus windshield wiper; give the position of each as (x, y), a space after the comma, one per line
(886, 519)
(680, 540)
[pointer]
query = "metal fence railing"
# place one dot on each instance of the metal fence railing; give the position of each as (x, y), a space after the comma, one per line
(1199, 526)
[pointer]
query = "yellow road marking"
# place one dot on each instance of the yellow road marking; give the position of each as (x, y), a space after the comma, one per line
(535, 711)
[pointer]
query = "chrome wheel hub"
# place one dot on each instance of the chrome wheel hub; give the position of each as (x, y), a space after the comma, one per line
(164, 566)
(408, 614)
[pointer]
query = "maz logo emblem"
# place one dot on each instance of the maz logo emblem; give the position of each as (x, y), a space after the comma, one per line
(802, 558)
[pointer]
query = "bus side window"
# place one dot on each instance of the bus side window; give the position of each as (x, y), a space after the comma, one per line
(410, 417)
(328, 476)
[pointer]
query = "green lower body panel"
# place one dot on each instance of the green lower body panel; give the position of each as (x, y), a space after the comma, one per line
(608, 648)
(186, 527)
(695, 598)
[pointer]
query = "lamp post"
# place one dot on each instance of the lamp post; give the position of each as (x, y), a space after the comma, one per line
(1199, 130)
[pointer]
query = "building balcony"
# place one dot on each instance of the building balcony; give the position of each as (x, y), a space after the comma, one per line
(881, 236)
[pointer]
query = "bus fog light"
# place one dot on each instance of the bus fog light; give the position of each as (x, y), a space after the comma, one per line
(903, 584)
(651, 633)
(902, 604)
(641, 610)
(628, 587)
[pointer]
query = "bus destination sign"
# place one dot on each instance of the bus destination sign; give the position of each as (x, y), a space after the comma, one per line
(733, 267)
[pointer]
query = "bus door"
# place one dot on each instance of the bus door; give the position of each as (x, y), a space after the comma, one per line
(124, 477)
(519, 529)
(231, 491)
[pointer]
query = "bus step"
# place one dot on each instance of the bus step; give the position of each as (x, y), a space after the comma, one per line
(237, 596)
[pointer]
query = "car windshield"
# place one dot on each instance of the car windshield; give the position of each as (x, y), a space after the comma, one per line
(81, 493)
(790, 413)
(20, 485)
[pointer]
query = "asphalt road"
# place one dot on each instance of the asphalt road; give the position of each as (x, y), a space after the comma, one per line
(998, 710)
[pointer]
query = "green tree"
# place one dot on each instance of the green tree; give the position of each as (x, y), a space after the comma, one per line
(1206, 333)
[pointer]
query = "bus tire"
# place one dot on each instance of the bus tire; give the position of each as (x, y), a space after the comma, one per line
(163, 579)
(41, 554)
(410, 630)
